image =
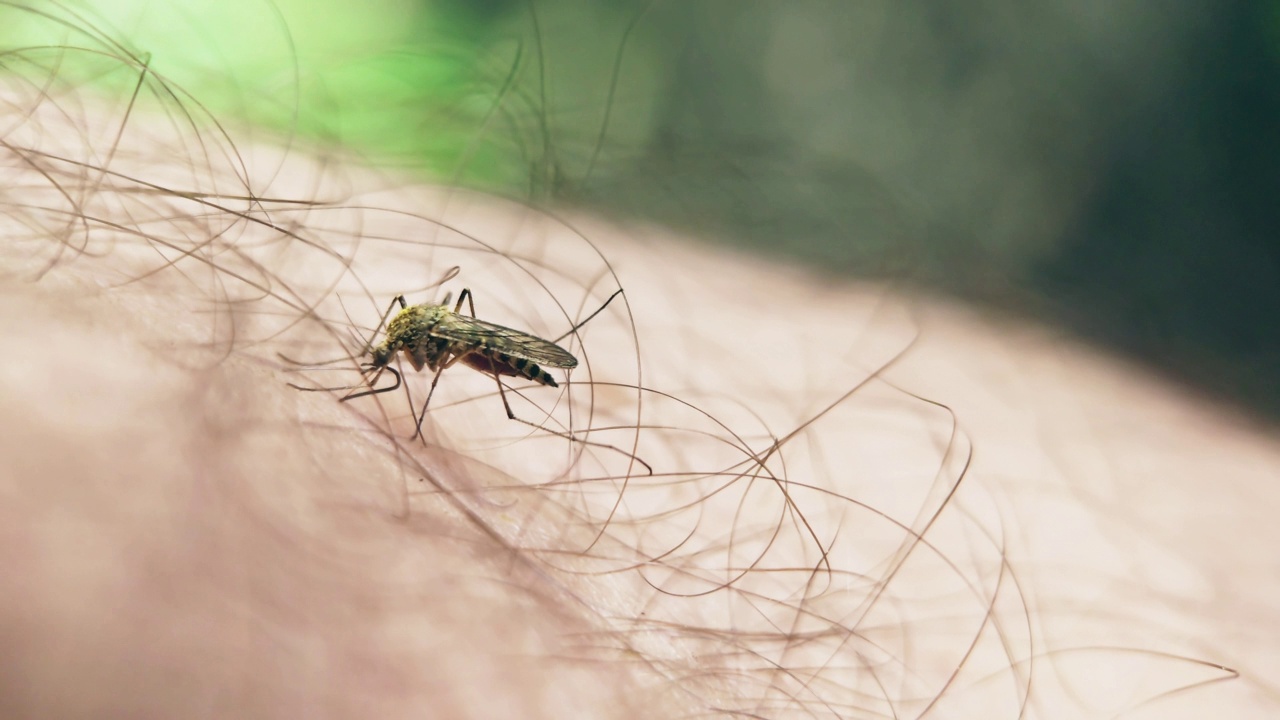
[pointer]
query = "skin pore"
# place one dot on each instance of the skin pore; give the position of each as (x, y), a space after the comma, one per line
(863, 503)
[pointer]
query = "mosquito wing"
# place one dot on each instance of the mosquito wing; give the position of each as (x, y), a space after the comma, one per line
(460, 328)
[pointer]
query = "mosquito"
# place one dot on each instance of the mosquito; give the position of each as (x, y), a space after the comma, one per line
(434, 337)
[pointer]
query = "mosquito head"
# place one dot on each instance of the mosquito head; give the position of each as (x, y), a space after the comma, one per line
(381, 356)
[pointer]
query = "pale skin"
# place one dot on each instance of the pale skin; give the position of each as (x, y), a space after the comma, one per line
(186, 536)
(177, 546)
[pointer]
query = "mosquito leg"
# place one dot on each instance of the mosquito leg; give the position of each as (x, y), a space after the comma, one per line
(373, 380)
(367, 343)
(408, 399)
(465, 296)
(417, 429)
(599, 310)
(502, 393)
(355, 390)
(383, 322)
(299, 366)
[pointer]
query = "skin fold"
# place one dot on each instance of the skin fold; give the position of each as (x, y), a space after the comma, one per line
(863, 502)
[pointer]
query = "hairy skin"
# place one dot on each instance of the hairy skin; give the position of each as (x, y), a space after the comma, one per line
(935, 514)
(179, 544)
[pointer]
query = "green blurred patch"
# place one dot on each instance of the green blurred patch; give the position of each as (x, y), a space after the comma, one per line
(506, 96)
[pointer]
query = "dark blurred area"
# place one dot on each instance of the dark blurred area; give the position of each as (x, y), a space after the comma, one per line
(1107, 167)
(1175, 255)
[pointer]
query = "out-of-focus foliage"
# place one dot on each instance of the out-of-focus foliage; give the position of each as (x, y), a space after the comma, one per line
(1112, 166)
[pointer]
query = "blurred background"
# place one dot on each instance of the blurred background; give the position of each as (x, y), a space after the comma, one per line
(1108, 167)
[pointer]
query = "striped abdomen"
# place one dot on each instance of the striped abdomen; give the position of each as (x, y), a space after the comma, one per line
(490, 360)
